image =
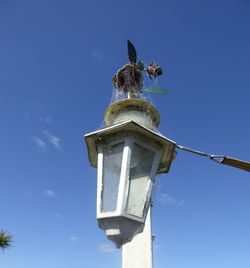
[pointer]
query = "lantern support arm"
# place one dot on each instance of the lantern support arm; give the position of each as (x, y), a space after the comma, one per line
(221, 159)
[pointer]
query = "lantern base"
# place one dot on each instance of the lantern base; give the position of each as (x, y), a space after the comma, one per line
(120, 230)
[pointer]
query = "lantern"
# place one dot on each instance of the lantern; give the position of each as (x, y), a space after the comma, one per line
(128, 154)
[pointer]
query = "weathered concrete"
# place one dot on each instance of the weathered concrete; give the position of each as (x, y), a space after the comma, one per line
(138, 253)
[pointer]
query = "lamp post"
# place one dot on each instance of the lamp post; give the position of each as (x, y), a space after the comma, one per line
(128, 153)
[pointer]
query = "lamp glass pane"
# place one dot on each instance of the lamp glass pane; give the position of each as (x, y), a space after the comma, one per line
(112, 160)
(140, 169)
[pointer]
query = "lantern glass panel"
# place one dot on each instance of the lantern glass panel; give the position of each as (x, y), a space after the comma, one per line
(112, 160)
(140, 169)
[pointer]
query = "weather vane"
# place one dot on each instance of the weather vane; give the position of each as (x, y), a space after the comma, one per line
(129, 79)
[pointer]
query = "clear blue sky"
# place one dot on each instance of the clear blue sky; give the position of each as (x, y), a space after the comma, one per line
(57, 59)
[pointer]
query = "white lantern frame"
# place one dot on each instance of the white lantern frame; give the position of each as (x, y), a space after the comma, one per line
(129, 141)
(119, 225)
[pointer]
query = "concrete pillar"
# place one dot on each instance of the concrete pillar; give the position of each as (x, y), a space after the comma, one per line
(138, 253)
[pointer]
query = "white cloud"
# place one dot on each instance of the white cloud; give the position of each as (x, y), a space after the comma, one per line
(55, 141)
(107, 248)
(47, 119)
(39, 143)
(39, 118)
(166, 199)
(97, 55)
(73, 238)
(49, 193)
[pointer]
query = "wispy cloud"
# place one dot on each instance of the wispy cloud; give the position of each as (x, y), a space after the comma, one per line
(107, 248)
(55, 141)
(73, 238)
(97, 55)
(166, 199)
(47, 119)
(49, 193)
(39, 142)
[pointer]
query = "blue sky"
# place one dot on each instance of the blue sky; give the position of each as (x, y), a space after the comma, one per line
(57, 59)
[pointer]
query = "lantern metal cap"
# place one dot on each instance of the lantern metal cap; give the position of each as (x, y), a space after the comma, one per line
(168, 146)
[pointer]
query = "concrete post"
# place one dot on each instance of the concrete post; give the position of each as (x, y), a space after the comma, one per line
(138, 253)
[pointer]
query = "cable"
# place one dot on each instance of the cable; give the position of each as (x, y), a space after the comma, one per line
(221, 159)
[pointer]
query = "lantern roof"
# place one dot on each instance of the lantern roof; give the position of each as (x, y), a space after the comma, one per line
(168, 146)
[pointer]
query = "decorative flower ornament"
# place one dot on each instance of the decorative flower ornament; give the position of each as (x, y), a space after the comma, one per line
(154, 70)
(129, 78)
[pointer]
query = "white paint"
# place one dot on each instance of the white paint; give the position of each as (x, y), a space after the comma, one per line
(138, 253)
(99, 181)
(121, 200)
